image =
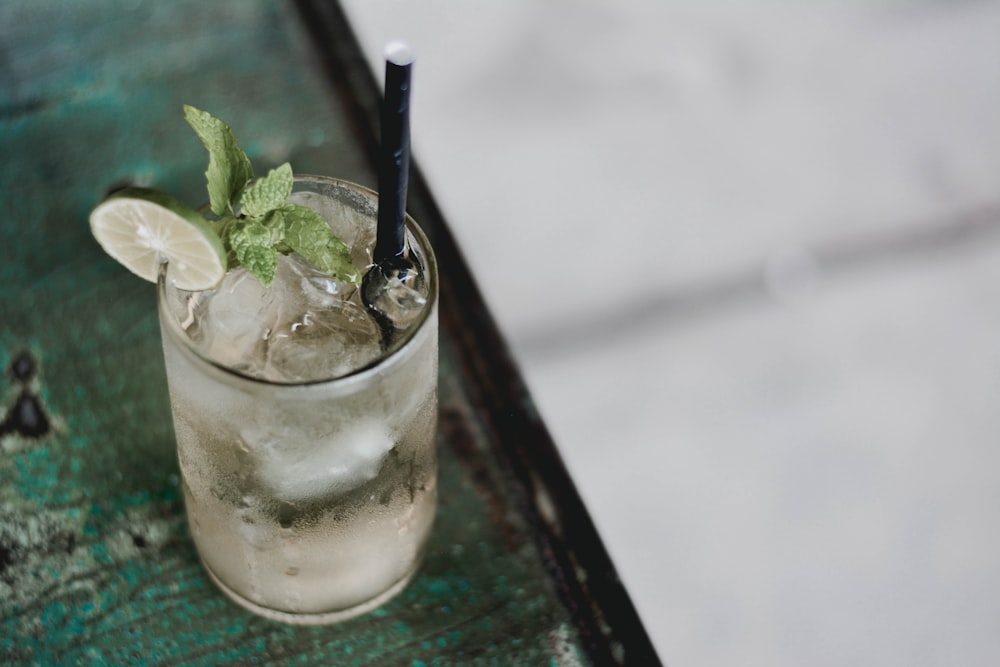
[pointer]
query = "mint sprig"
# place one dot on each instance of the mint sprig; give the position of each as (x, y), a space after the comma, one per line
(255, 221)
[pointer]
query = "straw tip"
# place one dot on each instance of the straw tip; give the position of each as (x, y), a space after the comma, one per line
(399, 53)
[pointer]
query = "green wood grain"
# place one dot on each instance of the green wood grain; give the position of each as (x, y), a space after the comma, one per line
(96, 565)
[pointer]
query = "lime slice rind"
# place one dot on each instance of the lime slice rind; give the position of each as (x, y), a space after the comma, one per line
(142, 228)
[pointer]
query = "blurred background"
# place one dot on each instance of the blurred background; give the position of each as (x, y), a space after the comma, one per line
(748, 257)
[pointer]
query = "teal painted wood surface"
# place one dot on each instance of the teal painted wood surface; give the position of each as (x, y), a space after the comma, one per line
(96, 565)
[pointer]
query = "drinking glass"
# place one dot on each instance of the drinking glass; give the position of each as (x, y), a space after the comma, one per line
(310, 492)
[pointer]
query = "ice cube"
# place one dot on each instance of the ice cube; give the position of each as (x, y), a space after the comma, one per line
(320, 344)
(396, 291)
(350, 457)
(235, 321)
(321, 334)
(317, 289)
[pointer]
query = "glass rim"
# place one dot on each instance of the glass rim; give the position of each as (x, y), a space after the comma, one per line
(386, 357)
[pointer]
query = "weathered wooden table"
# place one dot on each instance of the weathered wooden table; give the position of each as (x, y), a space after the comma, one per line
(96, 566)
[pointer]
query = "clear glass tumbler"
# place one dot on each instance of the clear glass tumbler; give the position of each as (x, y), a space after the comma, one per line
(310, 495)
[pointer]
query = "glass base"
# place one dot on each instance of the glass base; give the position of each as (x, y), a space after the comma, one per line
(325, 618)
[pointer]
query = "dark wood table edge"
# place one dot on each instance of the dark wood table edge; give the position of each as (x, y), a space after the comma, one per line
(574, 554)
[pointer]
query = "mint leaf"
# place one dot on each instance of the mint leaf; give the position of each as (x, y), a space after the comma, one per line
(275, 221)
(251, 242)
(309, 235)
(229, 168)
(267, 193)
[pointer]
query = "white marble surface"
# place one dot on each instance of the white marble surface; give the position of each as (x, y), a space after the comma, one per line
(794, 459)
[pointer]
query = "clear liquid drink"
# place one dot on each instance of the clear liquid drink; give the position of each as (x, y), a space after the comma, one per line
(306, 428)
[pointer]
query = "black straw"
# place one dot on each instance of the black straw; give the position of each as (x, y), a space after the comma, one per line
(394, 163)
